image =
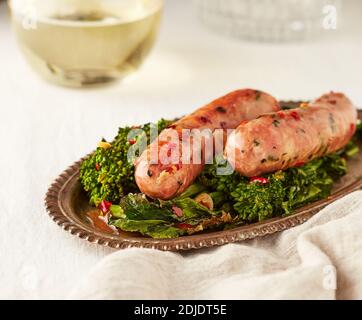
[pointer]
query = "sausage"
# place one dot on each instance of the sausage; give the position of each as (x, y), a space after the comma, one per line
(285, 139)
(165, 181)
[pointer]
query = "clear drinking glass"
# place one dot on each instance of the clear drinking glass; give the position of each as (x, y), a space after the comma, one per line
(85, 42)
(269, 20)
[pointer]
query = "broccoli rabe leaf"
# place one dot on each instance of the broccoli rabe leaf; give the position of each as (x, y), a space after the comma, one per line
(191, 209)
(158, 219)
(152, 228)
(137, 207)
(312, 181)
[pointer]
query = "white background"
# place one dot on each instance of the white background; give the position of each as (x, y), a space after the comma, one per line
(44, 128)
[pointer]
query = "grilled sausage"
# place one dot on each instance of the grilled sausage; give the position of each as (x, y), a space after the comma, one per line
(285, 139)
(164, 180)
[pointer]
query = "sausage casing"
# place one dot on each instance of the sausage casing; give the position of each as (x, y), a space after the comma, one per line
(292, 138)
(165, 181)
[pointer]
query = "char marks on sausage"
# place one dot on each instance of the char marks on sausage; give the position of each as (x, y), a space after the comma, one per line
(170, 180)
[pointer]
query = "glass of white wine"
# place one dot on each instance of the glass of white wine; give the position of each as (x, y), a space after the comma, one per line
(85, 42)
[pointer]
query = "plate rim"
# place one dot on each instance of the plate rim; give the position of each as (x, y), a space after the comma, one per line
(57, 212)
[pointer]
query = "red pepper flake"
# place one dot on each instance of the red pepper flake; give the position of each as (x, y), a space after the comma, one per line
(104, 206)
(173, 168)
(184, 226)
(332, 101)
(299, 164)
(259, 179)
(295, 115)
(281, 115)
(162, 143)
(171, 146)
(169, 169)
(353, 127)
(98, 167)
(177, 211)
(132, 141)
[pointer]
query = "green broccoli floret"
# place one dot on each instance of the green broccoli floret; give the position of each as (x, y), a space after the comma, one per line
(283, 192)
(107, 174)
(256, 202)
(251, 202)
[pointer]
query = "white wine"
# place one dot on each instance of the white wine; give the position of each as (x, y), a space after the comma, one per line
(90, 43)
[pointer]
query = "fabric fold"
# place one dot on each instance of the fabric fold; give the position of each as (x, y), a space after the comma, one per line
(320, 259)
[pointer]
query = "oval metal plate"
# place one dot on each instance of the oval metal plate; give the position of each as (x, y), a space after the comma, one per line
(68, 206)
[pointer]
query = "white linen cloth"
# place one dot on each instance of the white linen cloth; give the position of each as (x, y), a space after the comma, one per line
(320, 259)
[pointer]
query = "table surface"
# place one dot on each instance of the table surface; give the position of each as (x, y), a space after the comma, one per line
(44, 128)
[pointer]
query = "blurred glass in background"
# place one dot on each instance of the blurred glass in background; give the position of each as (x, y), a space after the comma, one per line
(270, 20)
(79, 43)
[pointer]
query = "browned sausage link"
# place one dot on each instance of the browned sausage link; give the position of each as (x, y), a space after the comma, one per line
(167, 181)
(292, 138)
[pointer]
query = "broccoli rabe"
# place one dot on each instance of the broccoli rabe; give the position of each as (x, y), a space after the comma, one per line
(283, 191)
(236, 200)
(164, 219)
(107, 174)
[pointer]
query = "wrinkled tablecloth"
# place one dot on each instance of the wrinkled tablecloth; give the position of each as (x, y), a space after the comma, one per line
(320, 259)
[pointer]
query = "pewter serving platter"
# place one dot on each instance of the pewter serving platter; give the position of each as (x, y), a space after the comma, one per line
(68, 205)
